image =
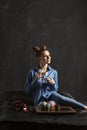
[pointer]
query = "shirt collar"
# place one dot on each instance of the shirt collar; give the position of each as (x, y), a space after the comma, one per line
(48, 68)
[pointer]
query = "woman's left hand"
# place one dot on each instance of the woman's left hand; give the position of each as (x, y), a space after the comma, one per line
(51, 81)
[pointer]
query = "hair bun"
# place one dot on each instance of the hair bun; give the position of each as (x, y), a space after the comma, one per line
(36, 48)
(43, 47)
(39, 50)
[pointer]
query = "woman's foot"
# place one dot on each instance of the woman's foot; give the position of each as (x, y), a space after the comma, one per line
(85, 107)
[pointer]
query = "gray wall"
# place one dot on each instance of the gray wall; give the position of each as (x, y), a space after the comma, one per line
(61, 25)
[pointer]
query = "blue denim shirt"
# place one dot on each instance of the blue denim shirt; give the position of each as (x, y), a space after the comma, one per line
(40, 88)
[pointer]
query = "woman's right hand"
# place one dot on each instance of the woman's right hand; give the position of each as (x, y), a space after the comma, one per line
(38, 75)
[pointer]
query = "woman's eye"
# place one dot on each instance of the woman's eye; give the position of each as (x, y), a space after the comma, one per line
(44, 56)
(47, 56)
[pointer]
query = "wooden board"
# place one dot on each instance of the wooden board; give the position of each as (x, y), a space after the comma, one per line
(60, 110)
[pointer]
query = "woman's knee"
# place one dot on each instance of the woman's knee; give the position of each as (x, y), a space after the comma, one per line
(57, 96)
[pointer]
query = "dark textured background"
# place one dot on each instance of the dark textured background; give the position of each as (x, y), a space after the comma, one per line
(61, 25)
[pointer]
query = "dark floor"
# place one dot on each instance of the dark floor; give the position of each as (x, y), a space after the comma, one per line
(28, 126)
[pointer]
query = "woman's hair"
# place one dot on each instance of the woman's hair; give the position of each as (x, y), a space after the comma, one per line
(39, 50)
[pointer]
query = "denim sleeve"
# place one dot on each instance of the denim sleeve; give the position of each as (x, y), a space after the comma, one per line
(56, 86)
(29, 84)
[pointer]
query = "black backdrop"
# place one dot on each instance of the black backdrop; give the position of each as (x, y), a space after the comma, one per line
(61, 25)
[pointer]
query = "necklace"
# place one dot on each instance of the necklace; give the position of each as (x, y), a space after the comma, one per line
(42, 72)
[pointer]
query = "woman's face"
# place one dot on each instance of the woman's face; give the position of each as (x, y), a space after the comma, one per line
(45, 57)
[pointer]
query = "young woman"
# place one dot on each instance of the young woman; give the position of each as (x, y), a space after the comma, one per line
(42, 82)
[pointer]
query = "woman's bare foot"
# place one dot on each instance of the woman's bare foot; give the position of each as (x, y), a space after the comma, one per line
(85, 107)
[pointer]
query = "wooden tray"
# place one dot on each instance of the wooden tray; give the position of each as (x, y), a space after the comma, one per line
(61, 110)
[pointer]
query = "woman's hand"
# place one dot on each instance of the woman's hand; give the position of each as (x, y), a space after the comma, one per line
(51, 81)
(38, 75)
